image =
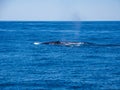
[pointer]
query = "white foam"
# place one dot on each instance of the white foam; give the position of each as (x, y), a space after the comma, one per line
(73, 43)
(36, 43)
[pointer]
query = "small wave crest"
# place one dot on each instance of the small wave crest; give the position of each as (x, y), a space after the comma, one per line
(102, 45)
(2, 30)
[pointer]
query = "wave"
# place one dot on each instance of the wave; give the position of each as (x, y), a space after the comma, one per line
(1, 30)
(57, 31)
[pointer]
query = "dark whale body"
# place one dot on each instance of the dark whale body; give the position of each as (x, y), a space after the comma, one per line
(53, 43)
(64, 43)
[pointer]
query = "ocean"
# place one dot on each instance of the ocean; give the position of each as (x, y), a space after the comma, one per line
(27, 66)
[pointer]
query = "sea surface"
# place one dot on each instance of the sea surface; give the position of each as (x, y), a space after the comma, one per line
(27, 66)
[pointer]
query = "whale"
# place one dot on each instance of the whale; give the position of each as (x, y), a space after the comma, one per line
(61, 43)
(68, 43)
(64, 43)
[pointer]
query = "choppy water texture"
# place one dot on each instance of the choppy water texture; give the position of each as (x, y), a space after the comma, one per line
(24, 65)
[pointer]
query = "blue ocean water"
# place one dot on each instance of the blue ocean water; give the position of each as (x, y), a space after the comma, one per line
(25, 66)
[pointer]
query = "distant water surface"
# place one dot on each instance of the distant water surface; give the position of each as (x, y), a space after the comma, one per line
(24, 65)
